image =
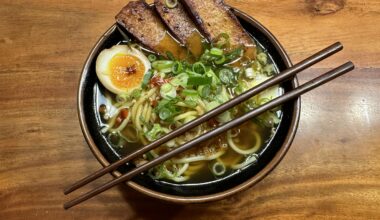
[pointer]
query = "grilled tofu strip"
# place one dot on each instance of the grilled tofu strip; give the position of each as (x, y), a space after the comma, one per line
(181, 25)
(177, 20)
(214, 18)
(144, 24)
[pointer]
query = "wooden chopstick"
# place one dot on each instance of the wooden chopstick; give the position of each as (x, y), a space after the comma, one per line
(288, 73)
(217, 131)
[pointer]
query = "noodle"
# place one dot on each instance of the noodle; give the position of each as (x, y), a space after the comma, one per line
(137, 119)
(194, 168)
(198, 158)
(242, 151)
(148, 114)
(144, 111)
(184, 115)
(200, 110)
(168, 100)
(248, 161)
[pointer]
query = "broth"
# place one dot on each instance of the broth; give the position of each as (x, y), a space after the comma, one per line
(244, 136)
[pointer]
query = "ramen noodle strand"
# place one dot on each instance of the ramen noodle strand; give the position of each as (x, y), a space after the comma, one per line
(137, 123)
(199, 157)
(238, 150)
(184, 115)
(148, 114)
(143, 112)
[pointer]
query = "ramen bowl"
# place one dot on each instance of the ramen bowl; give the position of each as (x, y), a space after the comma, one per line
(192, 192)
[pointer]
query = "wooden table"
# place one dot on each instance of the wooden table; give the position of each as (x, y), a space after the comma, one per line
(331, 171)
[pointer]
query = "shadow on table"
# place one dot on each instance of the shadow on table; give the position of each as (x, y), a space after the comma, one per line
(147, 207)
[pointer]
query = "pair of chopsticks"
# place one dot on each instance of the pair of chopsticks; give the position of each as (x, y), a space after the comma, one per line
(285, 75)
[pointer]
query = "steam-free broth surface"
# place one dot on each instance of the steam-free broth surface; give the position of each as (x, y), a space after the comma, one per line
(213, 159)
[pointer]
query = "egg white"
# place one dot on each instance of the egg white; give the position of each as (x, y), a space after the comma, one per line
(104, 59)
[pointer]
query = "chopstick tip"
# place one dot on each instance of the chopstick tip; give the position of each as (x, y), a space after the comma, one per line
(338, 45)
(67, 191)
(350, 65)
(65, 206)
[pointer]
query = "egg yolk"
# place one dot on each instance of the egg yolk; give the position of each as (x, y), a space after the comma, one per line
(126, 70)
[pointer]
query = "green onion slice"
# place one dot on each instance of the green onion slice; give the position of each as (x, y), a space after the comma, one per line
(199, 80)
(180, 80)
(162, 64)
(148, 75)
(167, 91)
(165, 113)
(170, 55)
(177, 67)
(226, 76)
(166, 87)
(152, 57)
(221, 60)
(199, 68)
(204, 90)
(234, 54)
(216, 51)
(188, 92)
(190, 102)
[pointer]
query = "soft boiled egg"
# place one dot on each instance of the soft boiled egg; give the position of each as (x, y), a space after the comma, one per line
(121, 68)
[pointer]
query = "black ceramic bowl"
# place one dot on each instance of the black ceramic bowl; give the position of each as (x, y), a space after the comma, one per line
(190, 193)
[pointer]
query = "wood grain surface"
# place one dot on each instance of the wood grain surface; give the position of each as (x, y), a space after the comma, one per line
(332, 170)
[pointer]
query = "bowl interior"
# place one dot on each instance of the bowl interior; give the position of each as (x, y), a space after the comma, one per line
(89, 87)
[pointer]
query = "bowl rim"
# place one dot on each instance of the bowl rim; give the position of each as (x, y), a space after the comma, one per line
(204, 198)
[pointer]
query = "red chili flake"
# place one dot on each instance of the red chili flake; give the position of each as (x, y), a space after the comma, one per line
(158, 81)
(131, 69)
(117, 122)
(213, 122)
(123, 114)
(172, 126)
(154, 103)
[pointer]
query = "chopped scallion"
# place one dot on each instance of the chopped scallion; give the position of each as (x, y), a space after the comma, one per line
(152, 57)
(269, 70)
(153, 134)
(199, 68)
(188, 92)
(199, 80)
(148, 75)
(249, 73)
(234, 54)
(216, 51)
(191, 103)
(165, 114)
(167, 91)
(204, 90)
(221, 60)
(212, 105)
(262, 58)
(192, 98)
(162, 64)
(177, 67)
(226, 76)
(180, 80)
(166, 87)
(170, 55)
